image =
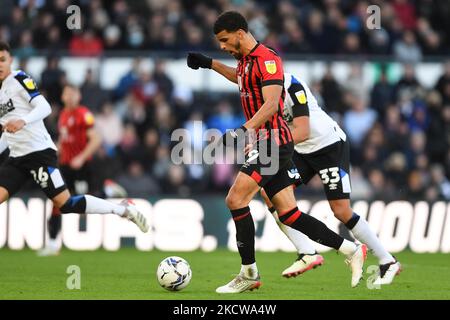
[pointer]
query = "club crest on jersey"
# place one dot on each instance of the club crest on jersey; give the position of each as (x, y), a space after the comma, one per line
(89, 118)
(29, 83)
(6, 107)
(271, 66)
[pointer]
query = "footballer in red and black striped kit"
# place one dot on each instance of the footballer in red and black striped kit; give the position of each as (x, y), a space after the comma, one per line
(262, 67)
(260, 77)
(77, 142)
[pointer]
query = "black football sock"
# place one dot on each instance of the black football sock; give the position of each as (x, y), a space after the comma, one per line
(54, 223)
(245, 234)
(316, 230)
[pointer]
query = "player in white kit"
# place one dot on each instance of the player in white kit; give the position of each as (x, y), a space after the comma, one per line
(32, 151)
(321, 147)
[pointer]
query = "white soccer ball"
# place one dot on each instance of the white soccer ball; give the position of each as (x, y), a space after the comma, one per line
(174, 273)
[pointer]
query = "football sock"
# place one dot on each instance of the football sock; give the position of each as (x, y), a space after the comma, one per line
(90, 204)
(245, 234)
(315, 230)
(362, 231)
(53, 244)
(54, 223)
(250, 270)
(347, 248)
(301, 242)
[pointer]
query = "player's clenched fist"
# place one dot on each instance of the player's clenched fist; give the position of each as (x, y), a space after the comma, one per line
(197, 60)
(12, 126)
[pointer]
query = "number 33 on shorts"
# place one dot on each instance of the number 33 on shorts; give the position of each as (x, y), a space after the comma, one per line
(332, 176)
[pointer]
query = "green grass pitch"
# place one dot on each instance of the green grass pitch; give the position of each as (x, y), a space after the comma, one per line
(130, 274)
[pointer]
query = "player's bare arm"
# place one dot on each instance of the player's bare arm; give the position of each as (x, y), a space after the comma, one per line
(14, 125)
(92, 146)
(226, 71)
(271, 95)
(300, 129)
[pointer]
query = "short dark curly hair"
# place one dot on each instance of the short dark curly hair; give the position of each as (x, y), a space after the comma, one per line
(4, 46)
(230, 21)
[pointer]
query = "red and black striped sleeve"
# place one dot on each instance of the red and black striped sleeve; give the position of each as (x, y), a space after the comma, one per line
(271, 68)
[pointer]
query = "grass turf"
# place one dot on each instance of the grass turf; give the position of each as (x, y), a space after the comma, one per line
(130, 274)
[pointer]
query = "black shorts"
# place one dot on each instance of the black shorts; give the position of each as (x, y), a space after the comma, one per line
(332, 164)
(78, 181)
(272, 169)
(41, 166)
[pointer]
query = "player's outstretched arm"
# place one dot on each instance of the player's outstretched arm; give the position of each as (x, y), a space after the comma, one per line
(226, 71)
(271, 94)
(41, 109)
(197, 60)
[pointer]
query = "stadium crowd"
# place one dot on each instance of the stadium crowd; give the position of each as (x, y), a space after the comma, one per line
(409, 29)
(399, 130)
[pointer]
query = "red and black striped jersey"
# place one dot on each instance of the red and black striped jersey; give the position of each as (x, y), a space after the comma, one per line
(262, 67)
(73, 125)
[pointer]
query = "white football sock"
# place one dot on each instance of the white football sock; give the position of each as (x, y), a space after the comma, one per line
(53, 244)
(364, 234)
(301, 242)
(347, 248)
(250, 270)
(97, 205)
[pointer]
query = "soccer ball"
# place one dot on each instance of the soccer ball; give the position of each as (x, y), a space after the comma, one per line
(174, 273)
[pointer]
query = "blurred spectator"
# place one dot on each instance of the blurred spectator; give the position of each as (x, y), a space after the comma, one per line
(223, 118)
(53, 78)
(331, 92)
(407, 49)
(444, 80)
(164, 83)
(26, 48)
(358, 120)
(110, 128)
(436, 141)
(128, 80)
(354, 84)
(383, 93)
(415, 188)
(86, 44)
(405, 12)
(442, 183)
(408, 84)
(137, 182)
(93, 95)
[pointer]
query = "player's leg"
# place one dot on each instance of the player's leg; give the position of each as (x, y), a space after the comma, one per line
(333, 166)
(54, 223)
(4, 195)
(307, 256)
(239, 196)
(12, 179)
(282, 196)
(92, 205)
(44, 169)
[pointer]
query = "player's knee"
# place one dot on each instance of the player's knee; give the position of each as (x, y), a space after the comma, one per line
(234, 201)
(341, 210)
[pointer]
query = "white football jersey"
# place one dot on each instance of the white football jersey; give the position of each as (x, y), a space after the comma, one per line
(16, 93)
(299, 101)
